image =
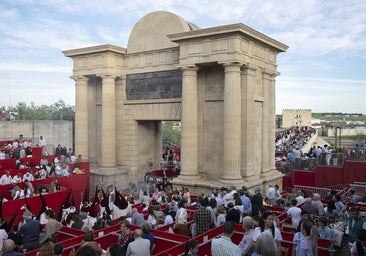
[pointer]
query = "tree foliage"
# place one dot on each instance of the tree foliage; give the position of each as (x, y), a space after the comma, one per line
(57, 111)
(171, 133)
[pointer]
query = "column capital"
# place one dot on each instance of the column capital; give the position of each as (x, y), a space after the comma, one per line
(79, 78)
(232, 64)
(250, 66)
(106, 76)
(188, 68)
(270, 72)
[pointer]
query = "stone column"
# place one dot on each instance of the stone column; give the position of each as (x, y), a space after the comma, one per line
(272, 114)
(232, 123)
(249, 129)
(108, 140)
(81, 117)
(266, 144)
(189, 133)
(120, 120)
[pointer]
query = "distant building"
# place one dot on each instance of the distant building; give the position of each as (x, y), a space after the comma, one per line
(296, 117)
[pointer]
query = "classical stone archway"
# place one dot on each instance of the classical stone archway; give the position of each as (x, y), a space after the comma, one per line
(219, 82)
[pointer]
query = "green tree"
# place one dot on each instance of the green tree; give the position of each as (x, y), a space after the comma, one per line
(56, 111)
(171, 133)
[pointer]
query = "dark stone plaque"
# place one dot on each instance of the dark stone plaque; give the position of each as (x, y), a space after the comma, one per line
(154, 85)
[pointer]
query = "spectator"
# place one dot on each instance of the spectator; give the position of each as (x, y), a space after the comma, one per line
(317, 203)
(257, 201)
(266, 224)
(115, 250)
(324, 231)
(140, 246)
(30, 232)
(89, 241)
(125, 237)
(355, 223)
(233, 214)
(308, 245)
(271, 195)
(15, 237)
(28, 188)
(58, 249)
(151, 219)
(86, 250)
(265, 245)
(245, 200)
(47, 249)
(6, 178)
(191, 248)
(212, 204)
(17, 178)
(359, 247)
(3, 234)
(42, 142)
(294, 213)
(246, 245)
(331, 212)
(51, 227)
(221, 217)
(181, 219)
(223, 246)
(137, 218)
(146, 234)
(202, 218)
(311, 209)
(9, 248)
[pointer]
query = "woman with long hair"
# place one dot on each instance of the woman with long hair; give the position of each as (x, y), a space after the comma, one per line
(266, 224)
(308, 245)
(331, 212)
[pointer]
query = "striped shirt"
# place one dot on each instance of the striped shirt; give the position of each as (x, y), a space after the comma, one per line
(223, 246)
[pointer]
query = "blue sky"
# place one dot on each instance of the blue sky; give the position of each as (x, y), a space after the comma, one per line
(324, 68)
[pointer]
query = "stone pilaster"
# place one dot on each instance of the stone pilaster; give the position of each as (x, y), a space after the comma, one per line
(81, 116)
(189, 132)
(108, 140)
(232, 124)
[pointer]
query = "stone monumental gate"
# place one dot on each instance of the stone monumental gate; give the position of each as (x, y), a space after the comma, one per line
(219, 82)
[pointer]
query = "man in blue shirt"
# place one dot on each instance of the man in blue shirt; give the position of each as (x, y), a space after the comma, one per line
(30, 232)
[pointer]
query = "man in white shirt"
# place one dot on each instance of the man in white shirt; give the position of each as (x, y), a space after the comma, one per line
(42, 142)
(6, 178)
(294, 213)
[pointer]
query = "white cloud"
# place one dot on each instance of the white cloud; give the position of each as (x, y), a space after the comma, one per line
(326, 39)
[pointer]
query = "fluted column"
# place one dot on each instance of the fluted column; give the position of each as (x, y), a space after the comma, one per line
(81, 117)
(108, 140)
(232, 123)
(189, 132)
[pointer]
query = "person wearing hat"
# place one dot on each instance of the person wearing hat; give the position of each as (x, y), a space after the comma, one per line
(30, 232)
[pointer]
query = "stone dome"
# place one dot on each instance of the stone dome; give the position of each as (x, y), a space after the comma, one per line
(150, 32)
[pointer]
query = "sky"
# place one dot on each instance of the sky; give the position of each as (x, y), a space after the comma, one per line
(324, 68)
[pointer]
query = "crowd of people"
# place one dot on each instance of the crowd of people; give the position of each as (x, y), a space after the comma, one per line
(309, 218)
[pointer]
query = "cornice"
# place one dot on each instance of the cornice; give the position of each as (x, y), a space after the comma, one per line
(94, 49)
(238, 28)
